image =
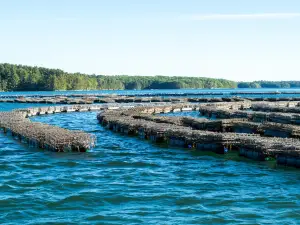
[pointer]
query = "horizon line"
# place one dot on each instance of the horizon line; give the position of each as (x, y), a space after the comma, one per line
(142, 75)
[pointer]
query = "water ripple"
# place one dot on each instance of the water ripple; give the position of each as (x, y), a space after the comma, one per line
(131, 181)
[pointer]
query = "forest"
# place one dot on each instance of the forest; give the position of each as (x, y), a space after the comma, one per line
(28, 78)
(269, 84)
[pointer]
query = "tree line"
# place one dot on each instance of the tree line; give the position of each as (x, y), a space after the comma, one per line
(27, 78)
(269, 84)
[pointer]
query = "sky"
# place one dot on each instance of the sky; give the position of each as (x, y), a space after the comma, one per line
(241, 40)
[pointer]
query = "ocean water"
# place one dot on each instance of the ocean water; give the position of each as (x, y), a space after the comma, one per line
(185, 113)
(126, 180)
(225, 92)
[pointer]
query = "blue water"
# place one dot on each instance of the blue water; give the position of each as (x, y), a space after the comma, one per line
(133, 92)
(184, 113)
(11, 106)
(126, 180)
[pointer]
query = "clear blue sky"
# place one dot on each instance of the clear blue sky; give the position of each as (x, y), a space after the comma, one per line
(232, 39)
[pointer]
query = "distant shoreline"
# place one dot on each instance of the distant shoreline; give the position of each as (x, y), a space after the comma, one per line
(27, 78)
